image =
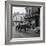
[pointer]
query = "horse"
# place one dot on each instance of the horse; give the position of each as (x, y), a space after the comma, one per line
(21, 26)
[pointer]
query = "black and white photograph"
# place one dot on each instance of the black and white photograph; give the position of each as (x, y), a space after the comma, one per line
(25, 22)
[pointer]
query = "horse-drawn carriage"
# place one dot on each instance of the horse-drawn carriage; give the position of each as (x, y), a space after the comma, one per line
(27, 25)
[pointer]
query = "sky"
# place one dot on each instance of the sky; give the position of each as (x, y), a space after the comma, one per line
(18, 9)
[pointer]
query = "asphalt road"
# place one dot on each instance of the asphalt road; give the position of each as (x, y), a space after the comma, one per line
(22, 34)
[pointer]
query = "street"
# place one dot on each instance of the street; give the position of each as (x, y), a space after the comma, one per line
(22, 34)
